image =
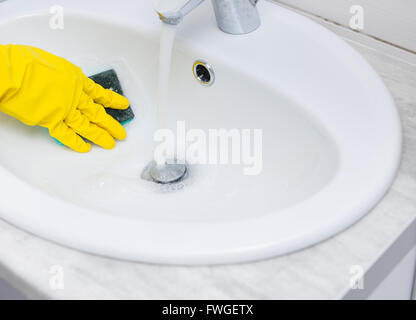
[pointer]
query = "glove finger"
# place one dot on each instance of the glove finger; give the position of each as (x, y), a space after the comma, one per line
(97, 114)
(107, 98)
(68, 137)
(81, 125)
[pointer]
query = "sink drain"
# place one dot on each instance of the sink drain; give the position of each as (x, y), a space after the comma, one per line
(170, 173)
(204, 73)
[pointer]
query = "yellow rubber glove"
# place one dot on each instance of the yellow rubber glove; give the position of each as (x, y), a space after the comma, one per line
(39, 88)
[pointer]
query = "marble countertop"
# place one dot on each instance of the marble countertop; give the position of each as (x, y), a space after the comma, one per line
(320, 272)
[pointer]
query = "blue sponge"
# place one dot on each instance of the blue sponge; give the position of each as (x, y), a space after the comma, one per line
(109, 80)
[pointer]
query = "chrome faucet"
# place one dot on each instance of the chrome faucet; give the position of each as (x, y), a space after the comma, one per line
(233, 16)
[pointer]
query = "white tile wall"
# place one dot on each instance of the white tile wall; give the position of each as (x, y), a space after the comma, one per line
(393, 21)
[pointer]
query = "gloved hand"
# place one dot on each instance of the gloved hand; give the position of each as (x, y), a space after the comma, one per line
(39, 88)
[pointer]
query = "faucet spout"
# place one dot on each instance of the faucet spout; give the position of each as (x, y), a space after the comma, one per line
(233, 16)
(173, 11)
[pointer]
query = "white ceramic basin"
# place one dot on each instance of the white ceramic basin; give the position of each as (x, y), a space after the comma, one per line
(331, 138)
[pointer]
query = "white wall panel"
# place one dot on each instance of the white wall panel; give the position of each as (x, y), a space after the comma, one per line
(393, 21)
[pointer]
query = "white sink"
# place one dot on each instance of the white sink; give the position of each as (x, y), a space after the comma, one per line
(331, 138)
